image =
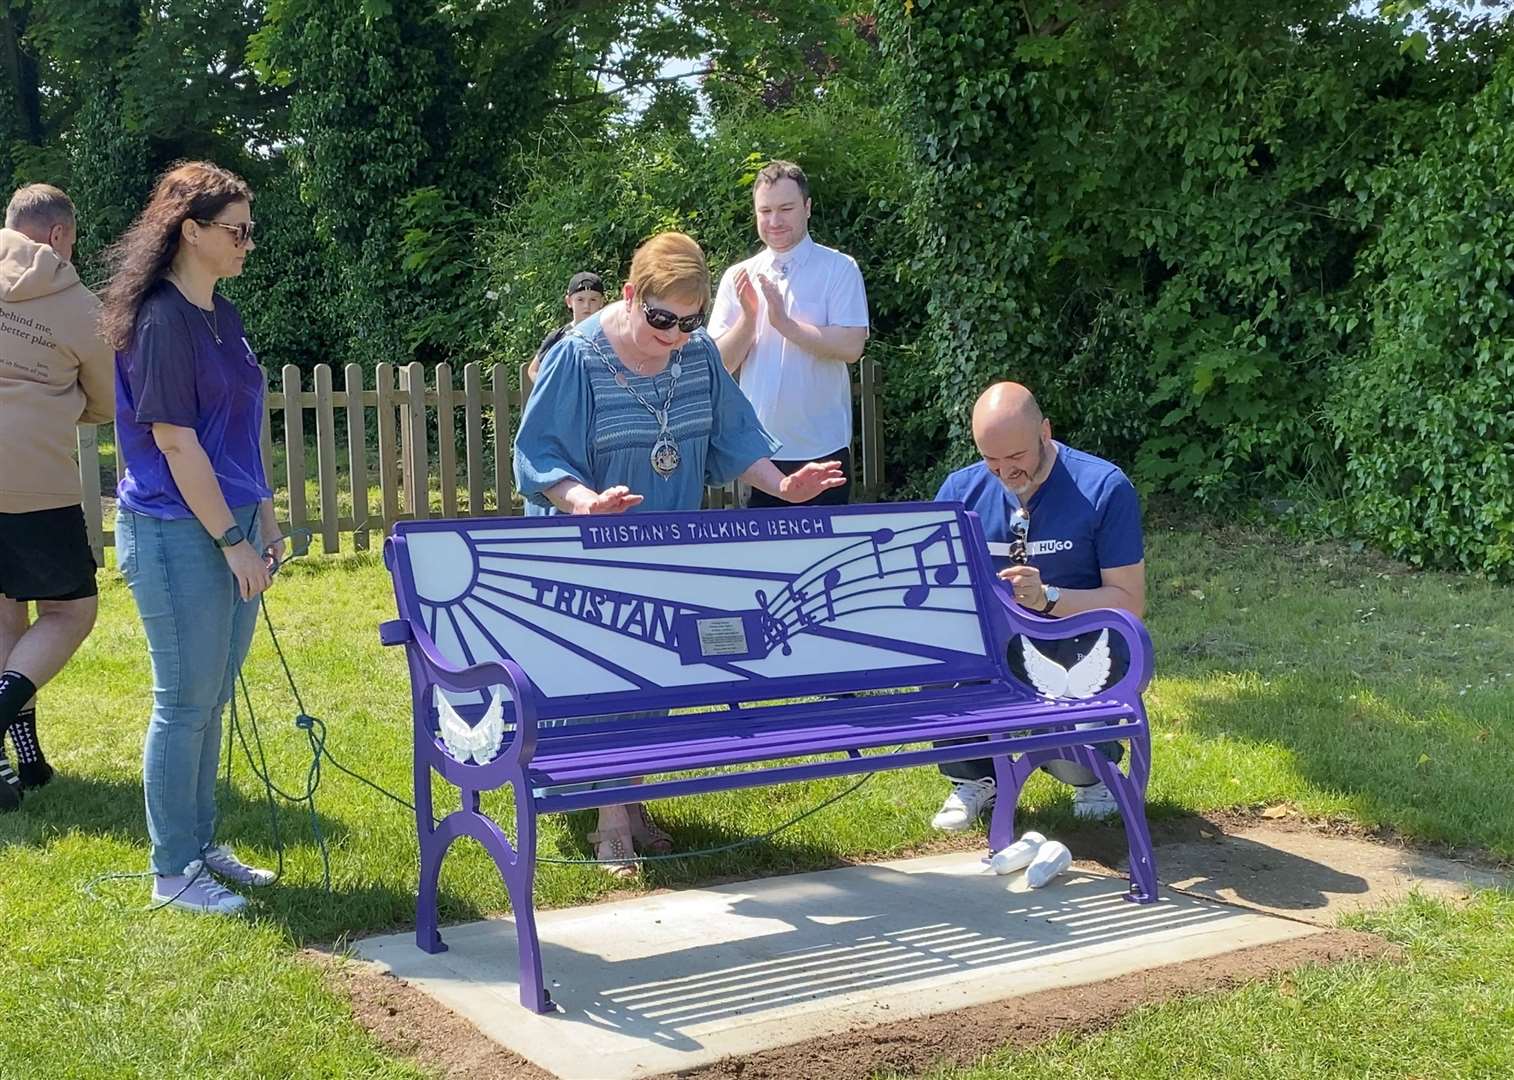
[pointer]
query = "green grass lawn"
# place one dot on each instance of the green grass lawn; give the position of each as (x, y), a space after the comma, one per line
(1312, 676)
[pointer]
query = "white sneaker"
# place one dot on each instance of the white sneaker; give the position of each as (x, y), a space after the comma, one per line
(195, 890)
(1094, 803)
(223, 863)
(968, 801)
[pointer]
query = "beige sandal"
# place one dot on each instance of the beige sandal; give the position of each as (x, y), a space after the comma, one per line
(649, 839)
(615, 844)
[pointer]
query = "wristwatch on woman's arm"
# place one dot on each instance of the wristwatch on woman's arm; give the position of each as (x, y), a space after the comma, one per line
(231, 537)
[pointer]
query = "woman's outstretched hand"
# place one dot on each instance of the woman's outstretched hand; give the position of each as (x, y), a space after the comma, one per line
(806, 483)
(615, 500)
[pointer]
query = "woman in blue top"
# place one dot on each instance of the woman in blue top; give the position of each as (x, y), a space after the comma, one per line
(193, 505)
(634, 410)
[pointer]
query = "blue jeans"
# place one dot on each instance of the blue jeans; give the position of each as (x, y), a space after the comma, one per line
(198, 632)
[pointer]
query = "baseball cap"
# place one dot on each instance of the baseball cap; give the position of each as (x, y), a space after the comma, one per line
(585, 279)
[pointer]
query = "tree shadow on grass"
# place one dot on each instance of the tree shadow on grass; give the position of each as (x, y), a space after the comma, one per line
(1419, 763)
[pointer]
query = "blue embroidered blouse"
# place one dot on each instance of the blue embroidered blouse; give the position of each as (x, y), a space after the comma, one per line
(580, 423)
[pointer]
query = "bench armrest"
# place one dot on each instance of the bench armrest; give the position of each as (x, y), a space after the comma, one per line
(436, 671)
(1132, 629)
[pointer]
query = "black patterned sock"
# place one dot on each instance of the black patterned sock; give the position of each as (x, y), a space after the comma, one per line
(23, 732)
(15, 691)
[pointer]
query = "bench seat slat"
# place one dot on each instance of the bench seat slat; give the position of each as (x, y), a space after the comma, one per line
(802, 770)
(639, 757)
(754, 719)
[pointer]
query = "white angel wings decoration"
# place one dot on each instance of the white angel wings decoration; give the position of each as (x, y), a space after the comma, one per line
(479, 743)
(1084, 679)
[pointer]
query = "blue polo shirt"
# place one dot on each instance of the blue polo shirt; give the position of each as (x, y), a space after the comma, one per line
(1086, 517)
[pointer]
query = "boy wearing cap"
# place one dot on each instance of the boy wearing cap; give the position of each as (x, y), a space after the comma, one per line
(585, 296)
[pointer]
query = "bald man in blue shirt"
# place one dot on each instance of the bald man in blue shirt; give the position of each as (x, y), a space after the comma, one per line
(1084, 548)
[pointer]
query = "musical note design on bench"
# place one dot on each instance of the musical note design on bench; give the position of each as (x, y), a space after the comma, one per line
(848, 581)
(944, 574)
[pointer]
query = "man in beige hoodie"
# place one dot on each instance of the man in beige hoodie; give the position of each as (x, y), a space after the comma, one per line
(56, 372)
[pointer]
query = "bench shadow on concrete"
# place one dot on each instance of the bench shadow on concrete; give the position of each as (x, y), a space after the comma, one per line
(866, 929)
(1208, 861)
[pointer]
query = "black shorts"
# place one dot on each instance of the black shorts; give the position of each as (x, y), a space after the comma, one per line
(836, 496)
(45, 555)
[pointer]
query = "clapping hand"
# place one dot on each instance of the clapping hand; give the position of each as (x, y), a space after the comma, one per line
(746, 294)
(811, 480)
(777, 310)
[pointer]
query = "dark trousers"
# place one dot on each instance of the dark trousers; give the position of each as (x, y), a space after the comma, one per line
(1066, 652)
(836, 496)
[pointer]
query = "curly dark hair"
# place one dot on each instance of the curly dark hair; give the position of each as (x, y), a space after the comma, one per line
(196, 190)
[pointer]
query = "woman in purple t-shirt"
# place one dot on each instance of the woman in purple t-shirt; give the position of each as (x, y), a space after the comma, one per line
(195, 528)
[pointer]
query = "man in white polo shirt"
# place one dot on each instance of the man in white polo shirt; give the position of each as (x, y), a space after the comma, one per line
(788, 322)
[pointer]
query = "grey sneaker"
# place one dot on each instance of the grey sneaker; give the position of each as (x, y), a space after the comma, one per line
(1094, 803)
(195, 890)
(223, 863)
(966, 804)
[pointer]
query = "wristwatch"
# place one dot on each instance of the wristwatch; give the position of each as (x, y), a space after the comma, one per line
(1053, 594)
(231, 537)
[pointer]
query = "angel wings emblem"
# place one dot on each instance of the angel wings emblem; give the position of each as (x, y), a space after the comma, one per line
(479, 743)
(1084, 679)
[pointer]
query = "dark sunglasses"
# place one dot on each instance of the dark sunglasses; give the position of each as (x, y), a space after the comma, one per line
(241, 229)
(661, 319)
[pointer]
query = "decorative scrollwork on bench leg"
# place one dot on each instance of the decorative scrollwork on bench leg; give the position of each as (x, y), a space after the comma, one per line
(1009, 778)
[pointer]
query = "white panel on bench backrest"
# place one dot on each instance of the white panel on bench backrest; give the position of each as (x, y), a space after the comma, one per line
(883, 590)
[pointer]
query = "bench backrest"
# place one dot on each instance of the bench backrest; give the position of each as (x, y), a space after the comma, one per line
(669, 610)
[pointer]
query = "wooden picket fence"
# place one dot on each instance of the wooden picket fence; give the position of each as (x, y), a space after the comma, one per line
(403, 433)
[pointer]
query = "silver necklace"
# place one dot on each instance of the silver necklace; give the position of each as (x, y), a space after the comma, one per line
(665, 455)
(215, 329)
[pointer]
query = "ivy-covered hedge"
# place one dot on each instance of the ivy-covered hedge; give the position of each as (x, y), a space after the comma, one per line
(1425, 412)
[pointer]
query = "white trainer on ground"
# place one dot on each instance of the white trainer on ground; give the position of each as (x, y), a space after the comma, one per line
(196, 890)
(1094, 803)
(968, 801)
(1018, 855)
(223, 863)
(1051, 859)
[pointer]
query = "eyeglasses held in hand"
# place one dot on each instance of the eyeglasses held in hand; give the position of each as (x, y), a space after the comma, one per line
(662, 319)
(241, 229)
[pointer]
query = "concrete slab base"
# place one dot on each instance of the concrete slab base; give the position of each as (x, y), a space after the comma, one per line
(677, 980)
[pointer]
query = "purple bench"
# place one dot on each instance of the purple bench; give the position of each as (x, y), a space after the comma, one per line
(528, 638)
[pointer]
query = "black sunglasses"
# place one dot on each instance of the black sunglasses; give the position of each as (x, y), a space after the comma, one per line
(241, 229)
(661, 319)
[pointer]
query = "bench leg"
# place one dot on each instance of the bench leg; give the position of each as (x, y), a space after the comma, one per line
(433, 849)
(1009, 778)
(1131, 799)
(520, 877)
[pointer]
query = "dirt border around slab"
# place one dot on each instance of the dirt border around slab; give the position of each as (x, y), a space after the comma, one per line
(410, 1024)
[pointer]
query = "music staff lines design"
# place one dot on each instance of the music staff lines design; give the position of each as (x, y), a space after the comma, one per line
(840, 601)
